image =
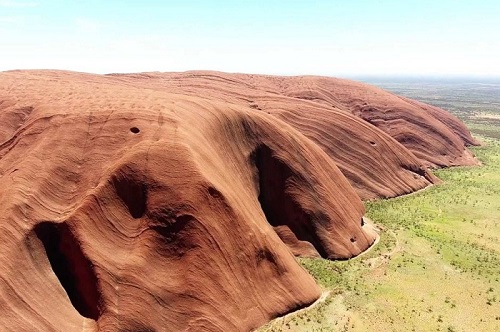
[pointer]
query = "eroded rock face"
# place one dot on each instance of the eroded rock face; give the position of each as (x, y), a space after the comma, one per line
(126, 207)
(381, 142)
(434, 136)
(151, 202)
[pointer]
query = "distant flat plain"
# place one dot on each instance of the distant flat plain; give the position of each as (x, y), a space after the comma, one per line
(475, 101)
(437, 265)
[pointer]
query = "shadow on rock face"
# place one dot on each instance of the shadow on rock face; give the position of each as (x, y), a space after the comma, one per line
(74, 271)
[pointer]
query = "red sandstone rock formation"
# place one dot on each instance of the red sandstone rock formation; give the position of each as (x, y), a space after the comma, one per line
(359, 126)
(127, 208)
(176, 201)
(434, 136)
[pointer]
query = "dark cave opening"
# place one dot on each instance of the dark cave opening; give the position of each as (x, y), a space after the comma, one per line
(277, 203)
(74, 270)
(132, 193)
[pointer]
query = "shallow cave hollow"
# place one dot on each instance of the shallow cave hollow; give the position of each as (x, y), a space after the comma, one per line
(277, 203)
(73, 269)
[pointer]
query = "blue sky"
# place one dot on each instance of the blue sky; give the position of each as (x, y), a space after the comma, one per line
(336, 38)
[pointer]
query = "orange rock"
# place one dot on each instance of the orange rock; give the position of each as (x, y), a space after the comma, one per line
(177, 201)
(359, 126)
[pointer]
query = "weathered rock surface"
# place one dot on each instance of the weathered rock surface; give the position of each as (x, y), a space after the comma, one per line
(154, 202)
(133, 209)
(382, 143)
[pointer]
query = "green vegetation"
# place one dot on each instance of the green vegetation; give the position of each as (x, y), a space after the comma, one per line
(475, 103)
(437, 265)
(464, 99)
(436, 268)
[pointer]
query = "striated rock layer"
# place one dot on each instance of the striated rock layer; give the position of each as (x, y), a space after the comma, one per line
(434, 136)
(153, 202)
(381, 142)
(130, 209)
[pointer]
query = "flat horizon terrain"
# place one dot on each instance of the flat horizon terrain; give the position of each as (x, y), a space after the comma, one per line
(437, 265)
